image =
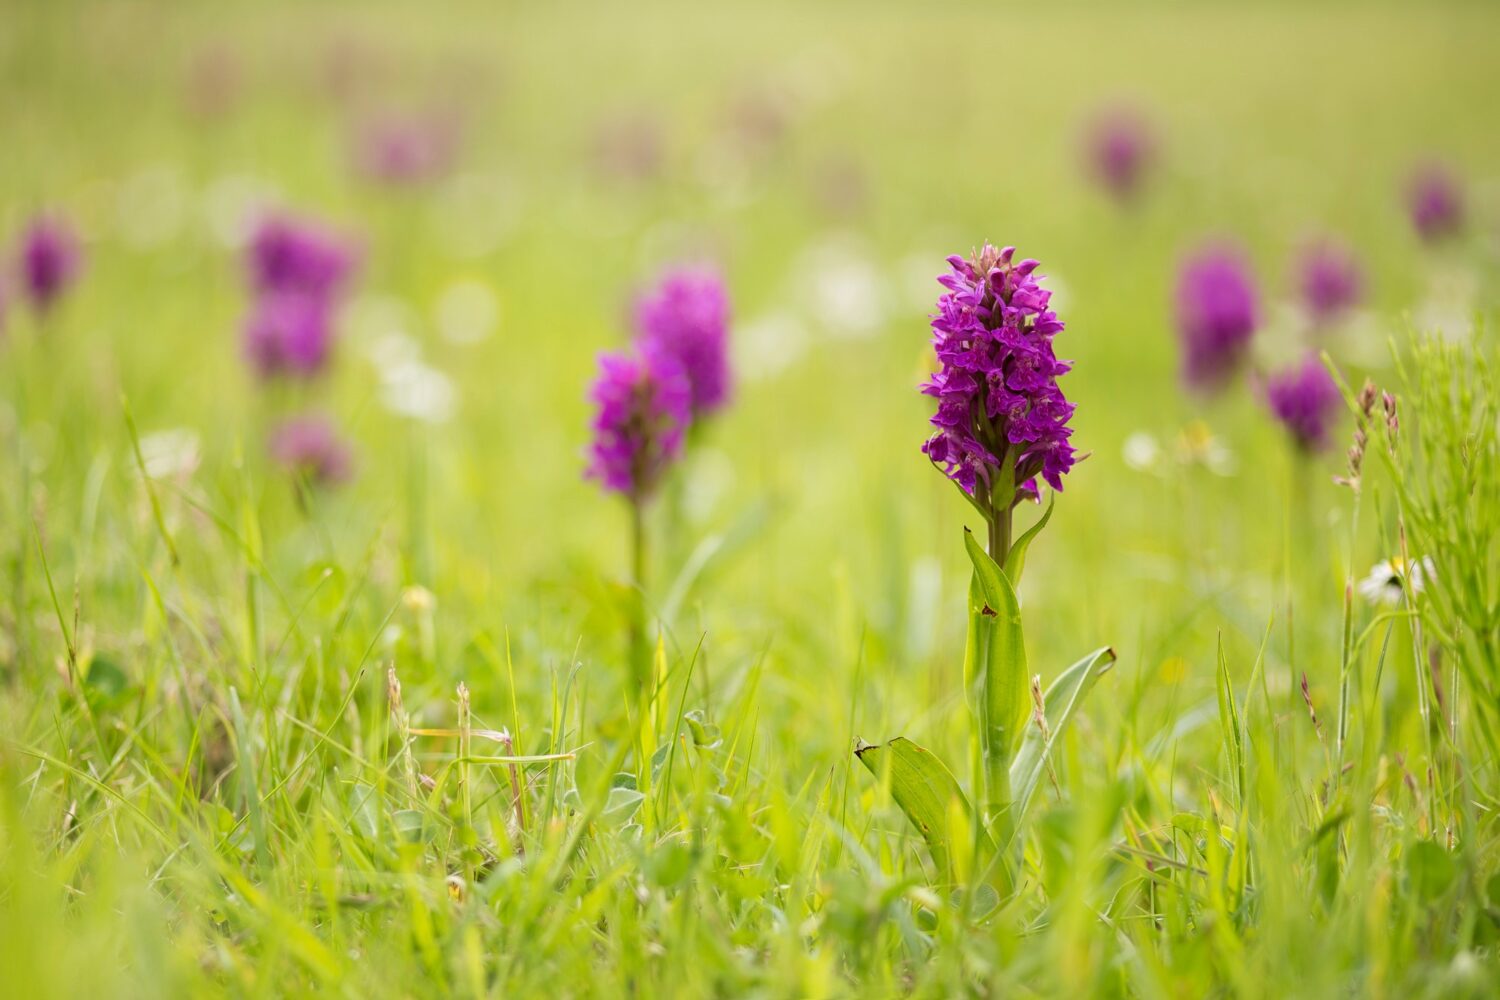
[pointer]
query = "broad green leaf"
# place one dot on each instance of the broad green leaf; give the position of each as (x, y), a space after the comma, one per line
(621, 804)
(1015, 559)
(105, 685)
(669, 865)
(1430, 869)
(1061, 700)
(925, 790)
(999, 670)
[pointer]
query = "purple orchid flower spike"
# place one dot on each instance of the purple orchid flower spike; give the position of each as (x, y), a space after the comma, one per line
(644, 405)
(1329, 280)
(286, 254)
(1218, 310)
(289, 333)
(1305, 400)
(310, 448)
(1120, 149)
(406, 149)
(1001, 418)
(1435, 202)
(686, 316)
(50, 261)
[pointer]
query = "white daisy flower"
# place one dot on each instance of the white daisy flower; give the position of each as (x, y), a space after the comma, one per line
(1383, 584)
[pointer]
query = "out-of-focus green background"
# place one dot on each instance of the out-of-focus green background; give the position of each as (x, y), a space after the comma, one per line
(826, 157)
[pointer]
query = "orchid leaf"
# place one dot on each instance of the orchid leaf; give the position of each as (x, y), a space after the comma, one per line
(997, 673)
(926, 791)
(1061, 701)
(1015, 559)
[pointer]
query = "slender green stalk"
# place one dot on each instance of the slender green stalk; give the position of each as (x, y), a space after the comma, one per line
(639, 651)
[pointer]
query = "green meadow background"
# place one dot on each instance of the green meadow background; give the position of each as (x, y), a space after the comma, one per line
(206, 799)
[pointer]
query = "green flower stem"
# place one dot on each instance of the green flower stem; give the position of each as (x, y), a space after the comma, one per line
(639, 652)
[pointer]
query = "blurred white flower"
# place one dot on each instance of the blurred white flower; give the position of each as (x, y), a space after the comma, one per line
(151, 207)
(1383, 584)
(233, 204)
(768, 345)
(170, 453)
(710, 478)
(467, 311)
(817, 76)
(1197, 445)
(373, 317)
(1141, 452)
(476, 213)
(390, 352)
(723, 171)
(1366, 339)
(417, 390)
(1448, 309)
(842, 288)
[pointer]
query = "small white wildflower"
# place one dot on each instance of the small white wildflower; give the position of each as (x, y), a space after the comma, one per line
(843, 288)
(1448, 308)
(414, 389)
(375, 316)
(418, 598)
(467, 311)
(710, 478)
(475, 214)
(151, 207)
(391, 352)
(768, 345)
(1198, 445)
(170, 453)
(1383, 584)
(1141, 452)
(233, 204)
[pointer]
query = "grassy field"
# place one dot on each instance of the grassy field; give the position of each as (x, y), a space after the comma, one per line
(206, 784)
